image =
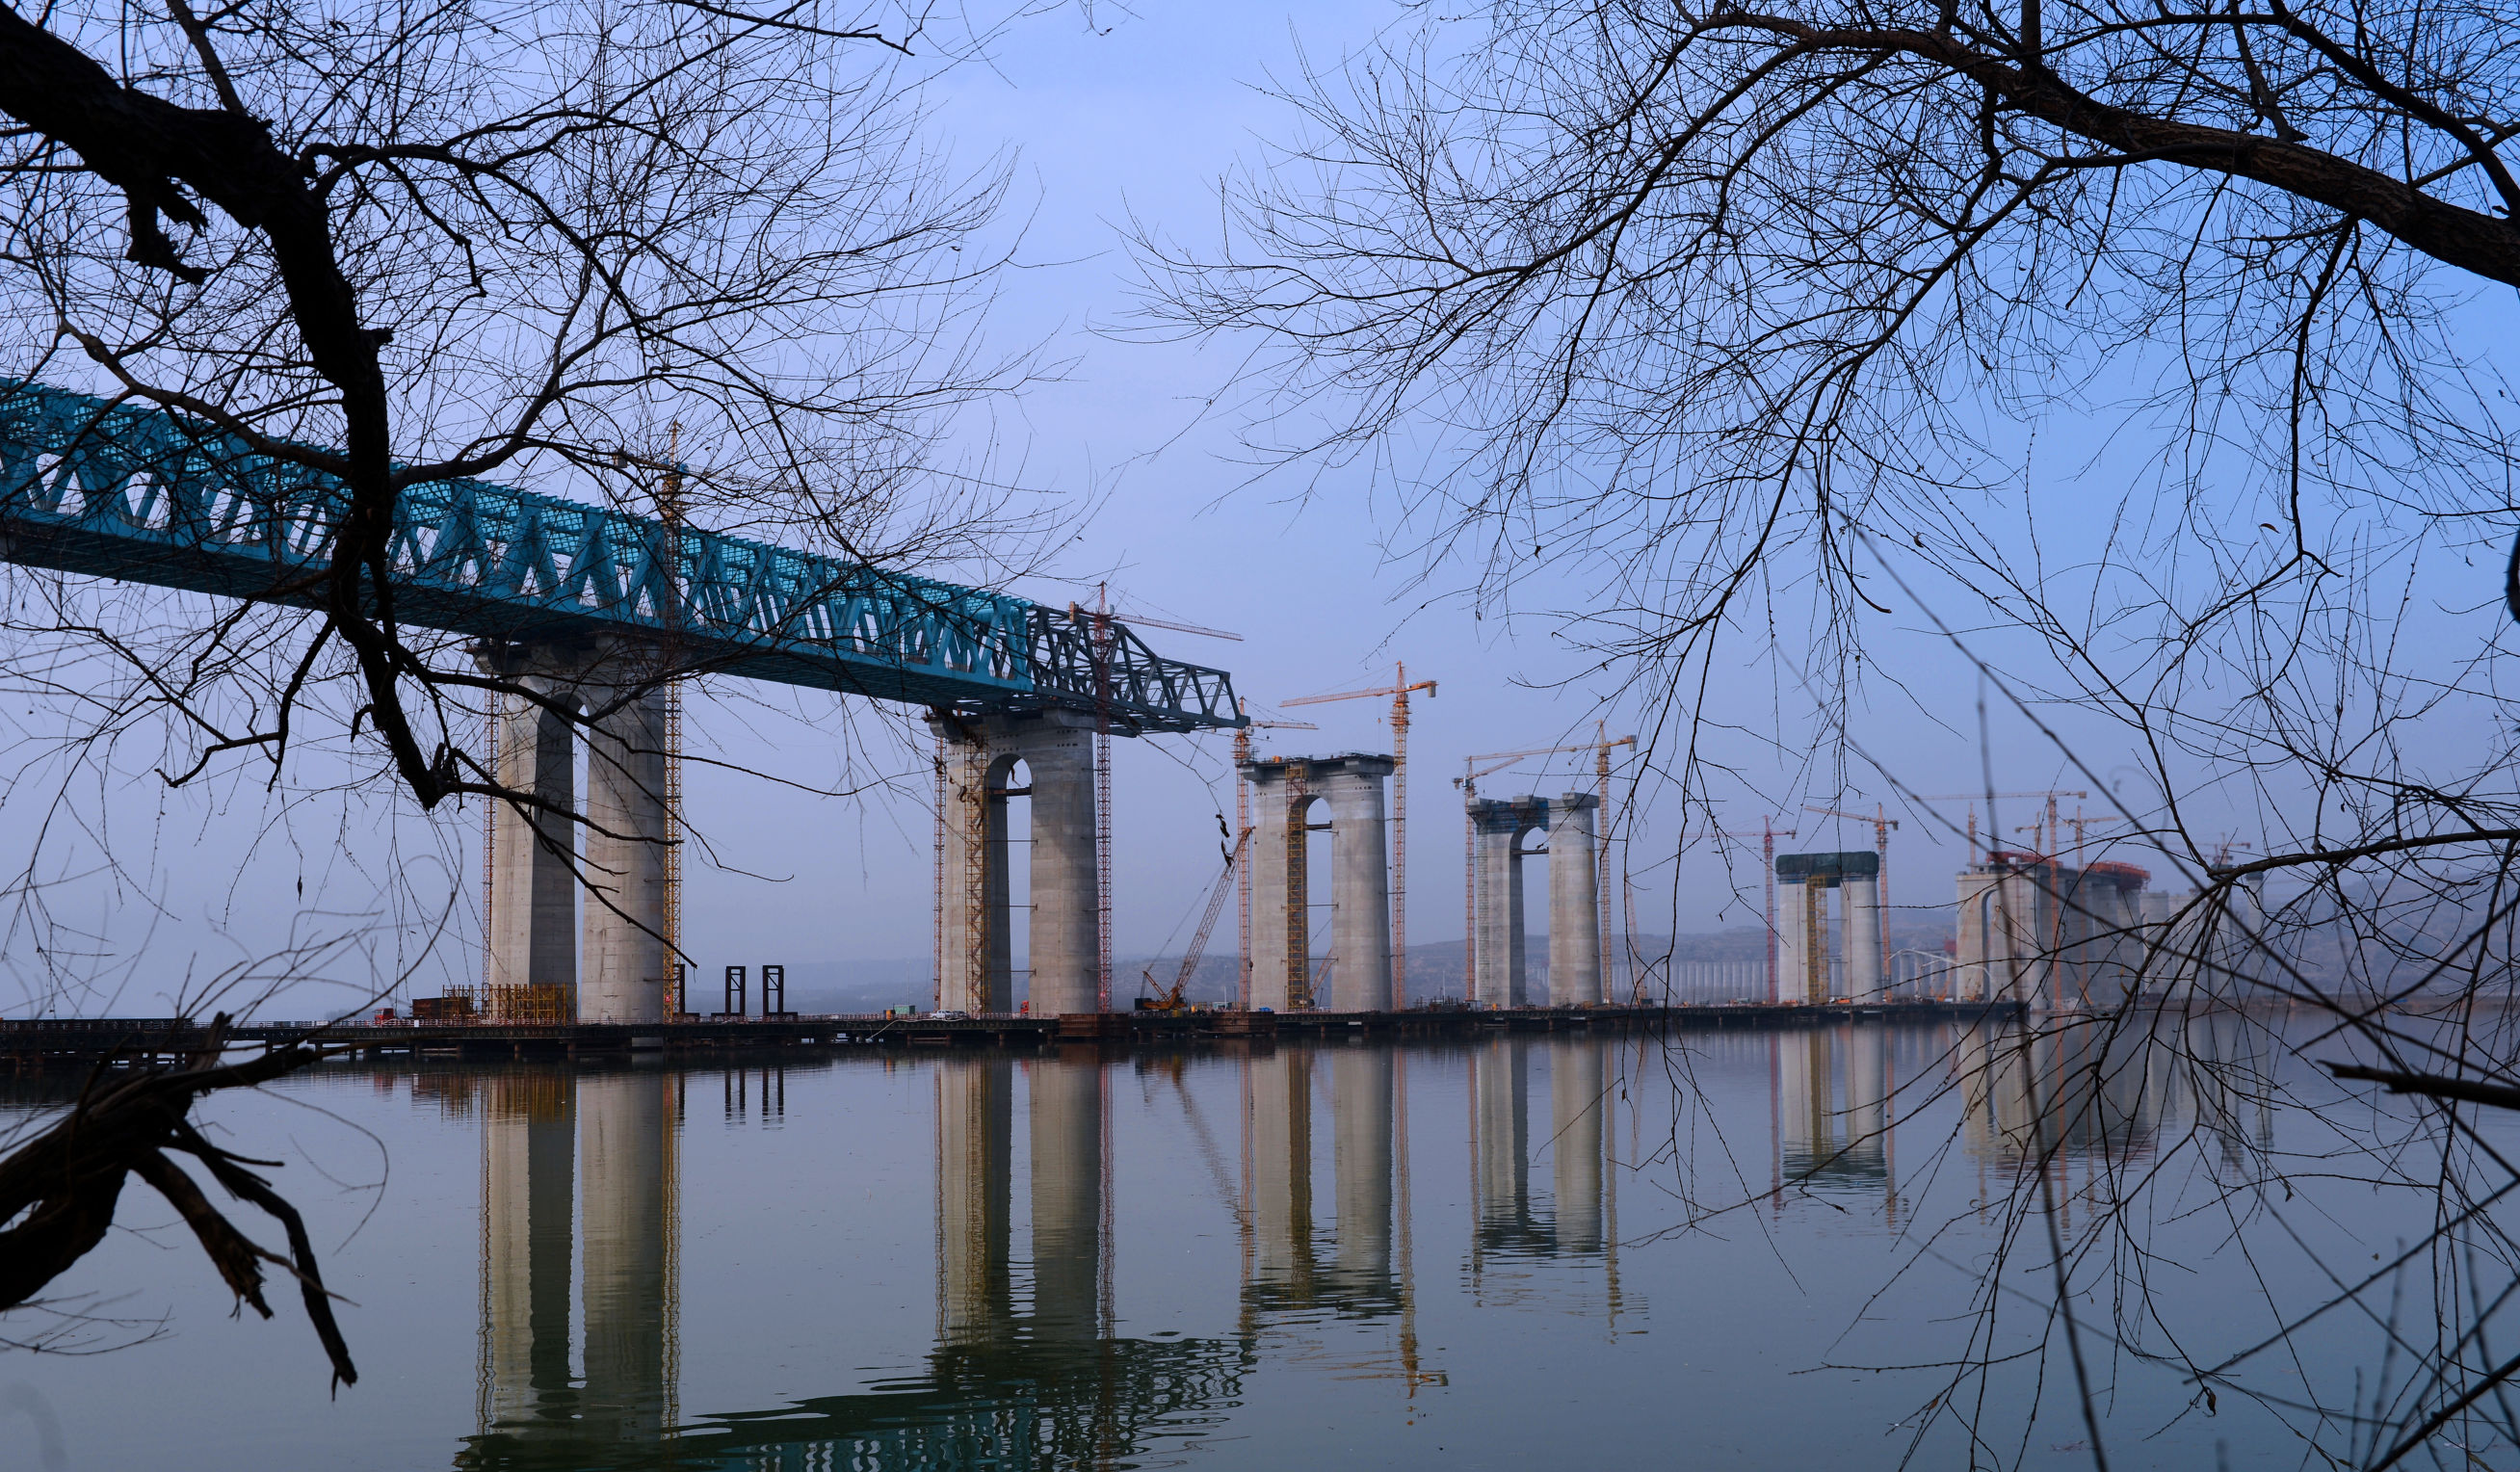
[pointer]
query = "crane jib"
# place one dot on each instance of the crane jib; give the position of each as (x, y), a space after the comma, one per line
(125, 491)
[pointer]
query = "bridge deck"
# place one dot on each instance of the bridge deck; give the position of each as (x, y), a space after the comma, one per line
(92, 1038)
(130, 492)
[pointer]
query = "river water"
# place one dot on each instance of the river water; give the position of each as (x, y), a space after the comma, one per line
(1721, 1249)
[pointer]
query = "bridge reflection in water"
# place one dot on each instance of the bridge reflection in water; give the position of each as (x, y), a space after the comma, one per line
(580, 1219)
(2078, 1096)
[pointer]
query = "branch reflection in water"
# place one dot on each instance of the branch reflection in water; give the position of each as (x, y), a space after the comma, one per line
(1252, 1254)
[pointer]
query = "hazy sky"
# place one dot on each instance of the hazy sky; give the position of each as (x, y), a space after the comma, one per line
(1138, 120)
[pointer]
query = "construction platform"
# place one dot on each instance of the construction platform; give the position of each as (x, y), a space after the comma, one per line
(155, 1039)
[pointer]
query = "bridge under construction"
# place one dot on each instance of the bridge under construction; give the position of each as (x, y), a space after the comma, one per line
(597, 614)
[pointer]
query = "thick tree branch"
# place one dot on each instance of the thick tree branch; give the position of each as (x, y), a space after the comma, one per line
(154, 151)
(2467, 239)
(2431, 1085)
(61, 1187)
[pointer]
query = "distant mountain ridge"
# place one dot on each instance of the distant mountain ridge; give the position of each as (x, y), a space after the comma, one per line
(1435, 969)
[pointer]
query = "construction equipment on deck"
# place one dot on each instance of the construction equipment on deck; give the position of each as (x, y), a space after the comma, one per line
(1170, 999)
(1399, 691)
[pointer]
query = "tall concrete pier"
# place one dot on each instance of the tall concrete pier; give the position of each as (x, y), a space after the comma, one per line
(538, 866)
(1285, 791)
(623, 977)
(1498, 826)
(533, 847)
(974, 943)
(1575, 974)
(1804, 970)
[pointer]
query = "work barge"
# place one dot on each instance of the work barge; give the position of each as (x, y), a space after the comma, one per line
(89, 1042)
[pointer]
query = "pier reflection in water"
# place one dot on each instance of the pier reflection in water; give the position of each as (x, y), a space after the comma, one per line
(1323, 1252)
(578, 1197)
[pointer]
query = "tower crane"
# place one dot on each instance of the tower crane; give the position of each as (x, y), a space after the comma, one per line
(2079, 824)
(2051, 795)
(1468, 781)
(1399, 691)
(1766, 833)
(1102, 627)
(1242, 834)
(1882, 823)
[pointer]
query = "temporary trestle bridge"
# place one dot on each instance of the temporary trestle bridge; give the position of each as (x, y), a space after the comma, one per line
(592, 605)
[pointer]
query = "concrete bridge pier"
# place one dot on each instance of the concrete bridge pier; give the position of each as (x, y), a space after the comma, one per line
(974, 943)
(623, 977)
(1503, 978)
(1804, 928)
(1575, 974)
(1860, 896)
(533, 884)
(1287, 792)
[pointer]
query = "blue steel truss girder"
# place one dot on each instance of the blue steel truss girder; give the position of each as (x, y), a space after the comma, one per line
(132, 492)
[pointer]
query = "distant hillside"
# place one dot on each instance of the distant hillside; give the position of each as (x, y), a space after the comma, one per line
(1435, 969)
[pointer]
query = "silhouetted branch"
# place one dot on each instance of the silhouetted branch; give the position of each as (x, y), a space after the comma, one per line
(61, 1187)
(2431, 1085)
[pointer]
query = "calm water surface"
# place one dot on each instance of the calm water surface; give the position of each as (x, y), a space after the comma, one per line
(1522, 1252)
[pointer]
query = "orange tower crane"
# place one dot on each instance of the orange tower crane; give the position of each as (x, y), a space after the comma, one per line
(1399, 691)
(1767, 833)
(2079, 824)
(1243, 836)
(1882, 823)
(1468, 781)
(1971, 797)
